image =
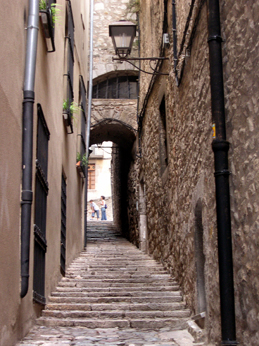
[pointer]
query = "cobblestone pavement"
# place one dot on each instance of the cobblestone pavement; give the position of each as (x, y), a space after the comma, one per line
(79, 336)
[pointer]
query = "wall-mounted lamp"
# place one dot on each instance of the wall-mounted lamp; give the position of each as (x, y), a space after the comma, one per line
(123, 34)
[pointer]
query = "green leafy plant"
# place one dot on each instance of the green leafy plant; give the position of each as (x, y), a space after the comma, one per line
(73, 108)
(82, 159)
(53, 9)
(133, 7)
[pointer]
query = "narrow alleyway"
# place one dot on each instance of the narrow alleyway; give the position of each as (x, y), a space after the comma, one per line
(113, 294)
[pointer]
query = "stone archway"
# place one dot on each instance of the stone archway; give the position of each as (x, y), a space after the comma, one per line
(115, 131)
(123, 136)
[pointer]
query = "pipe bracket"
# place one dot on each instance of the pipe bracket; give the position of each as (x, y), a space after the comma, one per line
(223, 172)
(27, 196)
(215, 38)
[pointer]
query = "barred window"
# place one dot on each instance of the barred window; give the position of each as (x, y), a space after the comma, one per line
(125, 87)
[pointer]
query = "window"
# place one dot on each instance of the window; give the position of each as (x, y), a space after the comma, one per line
(162, 137)
(70, 60)
(41, 193)
(83, 126)
(63, 225)
(91, 176)
(125, 87)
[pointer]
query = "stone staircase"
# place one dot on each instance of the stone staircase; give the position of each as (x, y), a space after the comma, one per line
(113, 284)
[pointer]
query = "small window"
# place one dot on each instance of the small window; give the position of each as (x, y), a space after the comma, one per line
(91, 176)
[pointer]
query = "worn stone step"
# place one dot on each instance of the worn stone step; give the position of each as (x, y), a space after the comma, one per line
(151, 289)
(116, 306)
(118, 283)
(69, 293)
(115, 281)
(118, 314)
(116, 275)
(92, 300)
(115, 323)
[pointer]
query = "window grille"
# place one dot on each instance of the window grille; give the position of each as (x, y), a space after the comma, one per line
(70, 60)
(125, 87)
(41, 193)
(83, 122)
(63, 225)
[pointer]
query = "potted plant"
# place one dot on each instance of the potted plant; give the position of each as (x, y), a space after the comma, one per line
(81, 163)
(53, 10)
(69, 111)
(48, 17)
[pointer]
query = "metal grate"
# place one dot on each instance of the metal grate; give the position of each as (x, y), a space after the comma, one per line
(125, 87)
(70, 60)
(63, 225)
(41, 193)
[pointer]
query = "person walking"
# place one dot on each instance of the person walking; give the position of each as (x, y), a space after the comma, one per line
(103, 208)
(95, 209)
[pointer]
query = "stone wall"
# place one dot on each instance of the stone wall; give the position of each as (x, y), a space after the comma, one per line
(118, 109)
(240, 28)
(181, 201)
(105, 13)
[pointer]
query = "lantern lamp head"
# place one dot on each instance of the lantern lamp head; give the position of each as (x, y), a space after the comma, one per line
(122, 34)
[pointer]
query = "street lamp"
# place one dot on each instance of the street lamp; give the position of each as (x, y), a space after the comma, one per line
(123, 34)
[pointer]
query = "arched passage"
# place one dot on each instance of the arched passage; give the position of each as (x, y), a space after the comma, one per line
(123, 136)
(115, 131)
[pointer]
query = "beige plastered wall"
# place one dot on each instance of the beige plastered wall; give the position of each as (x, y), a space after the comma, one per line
(17, 315)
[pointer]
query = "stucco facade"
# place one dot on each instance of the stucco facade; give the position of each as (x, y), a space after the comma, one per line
(18, 314)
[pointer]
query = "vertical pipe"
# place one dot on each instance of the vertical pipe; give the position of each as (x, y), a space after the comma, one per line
(220, 147)
(27, 141)
(88, 124)
(174, 40)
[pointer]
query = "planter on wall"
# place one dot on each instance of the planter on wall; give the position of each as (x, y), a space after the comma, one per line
(68, 121)
(80, 169)
(48, 29)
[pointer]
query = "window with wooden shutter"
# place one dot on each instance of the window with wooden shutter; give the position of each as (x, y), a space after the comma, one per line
(91, 176)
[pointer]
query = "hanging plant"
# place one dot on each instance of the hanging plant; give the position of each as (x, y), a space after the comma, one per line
(81, 160)
(72, 109)
(53, 10)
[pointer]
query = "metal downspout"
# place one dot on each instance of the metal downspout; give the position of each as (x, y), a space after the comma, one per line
(220, 147)
(27, 141)
(175, 41)
(90, 89)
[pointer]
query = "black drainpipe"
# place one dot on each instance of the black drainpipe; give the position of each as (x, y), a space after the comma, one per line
(220, 147)
(175, 41)
(27, 141)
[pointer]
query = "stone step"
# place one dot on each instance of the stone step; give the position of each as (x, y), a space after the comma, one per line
(152, 324)
(115, 314)
(116, 306)
(132, 289)
(137, 279)
(90, 270)
(112, 285)
(69, 293)
(93, 300)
